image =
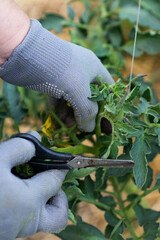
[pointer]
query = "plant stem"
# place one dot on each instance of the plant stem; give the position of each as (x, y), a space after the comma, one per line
(137, 199)
(79, 149)
(122, 208)
(98, 204)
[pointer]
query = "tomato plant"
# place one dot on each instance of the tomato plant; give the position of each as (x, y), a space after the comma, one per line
(127, 125)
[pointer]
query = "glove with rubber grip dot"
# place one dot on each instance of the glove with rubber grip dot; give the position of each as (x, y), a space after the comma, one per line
(60, 69)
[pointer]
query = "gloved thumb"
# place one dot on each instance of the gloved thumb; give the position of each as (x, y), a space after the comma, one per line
(54, 215)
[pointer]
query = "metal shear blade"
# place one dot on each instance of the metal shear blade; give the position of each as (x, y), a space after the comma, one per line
(82, 162)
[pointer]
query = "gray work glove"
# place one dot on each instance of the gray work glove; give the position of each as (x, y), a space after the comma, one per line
(24, 206)
(48, 64)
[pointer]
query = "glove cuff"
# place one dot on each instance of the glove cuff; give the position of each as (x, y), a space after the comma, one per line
(41, 54)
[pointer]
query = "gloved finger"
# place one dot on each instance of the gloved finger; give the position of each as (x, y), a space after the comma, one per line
(47, 184)
(103, 72)
(17, 151)
(98, 69)
(85, 110)
(54, 215)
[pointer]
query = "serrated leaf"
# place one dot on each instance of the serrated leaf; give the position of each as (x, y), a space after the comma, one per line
(126, 128)
(133, 94)
(80, 232)
(14, 104)
(85, 16)
(79, 173)
(149, 179)
(72, 192)
(153, 113)
(71, 12)
(138, 154)
(150, 230)
(100, 174)
(112, 150)
(73, 181)
(143, 106)
(146, 18)
(108, 200)
(113, 220)
(53, 21)
(148, 95)
(157, 131)
(116, 228)
(71, 216)
(152, 6)
(145, 215)
(89, 187)
(157, 184)
(145, 44)
(155, 149)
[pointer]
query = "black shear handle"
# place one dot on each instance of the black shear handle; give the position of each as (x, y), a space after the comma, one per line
(40, 166)
(44, 153)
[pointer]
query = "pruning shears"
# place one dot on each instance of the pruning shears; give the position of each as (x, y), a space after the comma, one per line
(46, 159)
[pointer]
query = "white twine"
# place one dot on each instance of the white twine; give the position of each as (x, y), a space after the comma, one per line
(135, 41)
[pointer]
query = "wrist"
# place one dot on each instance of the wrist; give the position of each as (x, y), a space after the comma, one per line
(13, 28)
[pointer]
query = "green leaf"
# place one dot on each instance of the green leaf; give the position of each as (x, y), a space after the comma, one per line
(152, 6)
(116, 229)
(143, 106)
(148, 94)
(72, 192)
(153, 113)
(89, 188)
(133, 94)
(108, 200)
(149, 179)
(145, 44)
(113, 220)
(16, 109)
(157, 184)
(157, 131)
(126, 128)
(146, 18)
(108, 231)
(71, 12)
(150, 231)
(53, 21)
(138, 154)
(71, 216)
(115, 36)
(80, 232)
(131, 197)
(73, 181)
(155, 149)
(112, 151)
(85, 16)
(79, 173)
(145, 215)
(100, 174)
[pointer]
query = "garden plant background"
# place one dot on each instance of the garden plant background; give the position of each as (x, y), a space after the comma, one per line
(107, 28)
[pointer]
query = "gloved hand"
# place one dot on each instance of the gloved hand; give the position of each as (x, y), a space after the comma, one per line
(24, 205)
(48, 64)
